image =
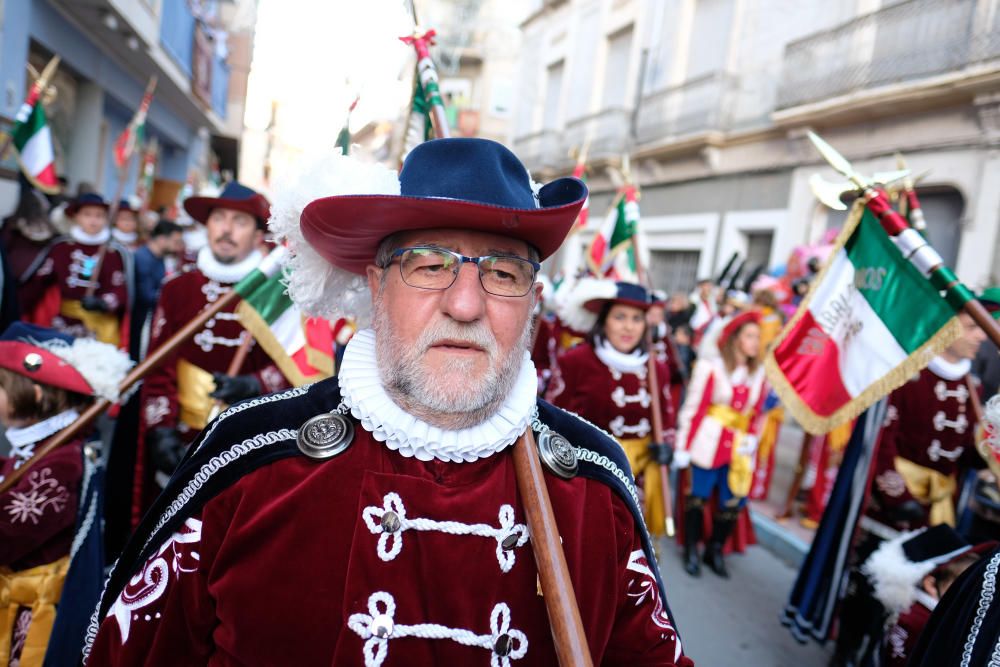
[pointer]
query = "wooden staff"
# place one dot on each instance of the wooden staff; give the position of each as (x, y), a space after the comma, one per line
(155, 358)
(553, 573)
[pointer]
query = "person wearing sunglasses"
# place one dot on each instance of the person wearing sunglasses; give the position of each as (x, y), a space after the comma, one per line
(374, 518)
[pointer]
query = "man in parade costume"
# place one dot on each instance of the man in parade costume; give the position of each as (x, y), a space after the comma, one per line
(75, 301)
(177, 398)
(929, 436)
(399, 535)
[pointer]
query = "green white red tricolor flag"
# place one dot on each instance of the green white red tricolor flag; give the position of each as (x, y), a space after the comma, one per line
(870, 321)
(32, 139)
(133, 134)
(579, 171)
(302, 347)
(147, 172)
(615, 234)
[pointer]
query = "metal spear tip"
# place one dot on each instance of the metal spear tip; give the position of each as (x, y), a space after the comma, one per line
(836, 160)
(829, 194)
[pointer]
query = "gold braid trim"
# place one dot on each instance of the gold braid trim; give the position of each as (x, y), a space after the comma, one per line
(818, 424)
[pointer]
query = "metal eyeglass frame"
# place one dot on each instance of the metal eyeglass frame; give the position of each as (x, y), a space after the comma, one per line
(463, 259)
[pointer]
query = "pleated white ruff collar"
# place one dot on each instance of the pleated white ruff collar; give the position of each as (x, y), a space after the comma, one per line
(226, 273)
(362, 391)
(633, 362)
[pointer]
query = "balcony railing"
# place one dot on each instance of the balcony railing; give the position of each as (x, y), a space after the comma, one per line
(698, 105)
(539, 150)
(606, 131)
(904, 42)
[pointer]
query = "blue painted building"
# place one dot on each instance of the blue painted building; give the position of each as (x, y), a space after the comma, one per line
(109, 49)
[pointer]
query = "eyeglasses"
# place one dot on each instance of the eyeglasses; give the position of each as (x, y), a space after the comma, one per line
(437, 269)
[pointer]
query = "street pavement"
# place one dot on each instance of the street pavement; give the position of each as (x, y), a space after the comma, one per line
(734, 622)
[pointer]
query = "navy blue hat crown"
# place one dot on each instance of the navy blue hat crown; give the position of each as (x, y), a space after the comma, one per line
(89, 199)
(32, 333)
(237, 191)
(481, 171)
(632, 292)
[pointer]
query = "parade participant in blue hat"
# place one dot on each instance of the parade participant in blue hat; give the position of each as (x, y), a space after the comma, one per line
(375, 518)
(46, 380)
(125, 227)
(179, 395)
(74, 300)
(604, 380)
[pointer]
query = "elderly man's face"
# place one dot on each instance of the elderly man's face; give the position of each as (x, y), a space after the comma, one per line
(450, 357)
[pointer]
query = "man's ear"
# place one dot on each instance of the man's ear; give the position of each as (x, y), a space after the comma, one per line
(929, 585)
(374, 274)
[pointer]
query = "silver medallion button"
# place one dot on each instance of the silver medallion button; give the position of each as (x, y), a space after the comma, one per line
(557, 454)
(381, 626)
(325, 436)
(391, 522)
(32, 362)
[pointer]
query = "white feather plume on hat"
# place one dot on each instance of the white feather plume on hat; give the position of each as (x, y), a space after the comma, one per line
(315, 285)
(571, 298)
(103, 366)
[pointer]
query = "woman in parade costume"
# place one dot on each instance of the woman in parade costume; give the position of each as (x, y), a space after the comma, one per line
(605, 381)
(717, 437)
(46, 379)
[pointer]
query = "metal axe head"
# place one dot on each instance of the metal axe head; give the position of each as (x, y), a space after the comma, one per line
(830, 193)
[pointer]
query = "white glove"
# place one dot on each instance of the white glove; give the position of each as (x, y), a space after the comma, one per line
(682, 459)
(748, 446)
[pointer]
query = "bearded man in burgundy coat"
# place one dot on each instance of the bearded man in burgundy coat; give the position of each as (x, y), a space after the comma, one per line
(374, 518)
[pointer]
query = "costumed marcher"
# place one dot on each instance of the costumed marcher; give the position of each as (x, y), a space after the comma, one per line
(717, 431)
(771, 322)
(397, 476)
(66, 274)
(177, 397)
(46, 380)
(927, 438)
(606, 381)
(164, 241)
(125, 227)
(25, 235)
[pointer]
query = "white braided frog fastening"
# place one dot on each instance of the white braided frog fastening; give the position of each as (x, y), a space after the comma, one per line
(378, 626)
(390, 542)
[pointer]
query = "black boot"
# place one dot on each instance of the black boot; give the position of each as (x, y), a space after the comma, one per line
(693, 519)
(721, 528)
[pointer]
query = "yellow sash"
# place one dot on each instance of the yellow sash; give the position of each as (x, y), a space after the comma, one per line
(105, 326)
(730, 417)
(194, 385)
(38, 588)
(740, 476)
(930, 487)
(642, 463)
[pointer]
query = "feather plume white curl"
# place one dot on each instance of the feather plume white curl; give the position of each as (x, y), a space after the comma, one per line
(894, 576)
(569, 303)
(103, 366)
(991, 417)
(316, 286)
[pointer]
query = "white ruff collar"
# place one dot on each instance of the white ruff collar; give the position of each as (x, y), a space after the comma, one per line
(29, 435)
(84, 238)
(227, 273)
(363, 392)
(633, 362)
(950, 370)
(124, 237)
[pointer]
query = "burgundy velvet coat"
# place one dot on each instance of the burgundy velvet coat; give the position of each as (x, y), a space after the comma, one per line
(930, 422)
(258, 555)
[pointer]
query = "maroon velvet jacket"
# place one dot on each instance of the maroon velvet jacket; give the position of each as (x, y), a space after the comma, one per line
(290, 565)
(616, 402)
(38, 515)
(929, 422)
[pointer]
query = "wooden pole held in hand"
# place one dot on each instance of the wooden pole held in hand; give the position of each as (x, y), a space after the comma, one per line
(553, 573)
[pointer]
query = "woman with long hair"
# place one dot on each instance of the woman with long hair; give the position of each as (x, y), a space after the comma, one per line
(717, 437)
(605, 381)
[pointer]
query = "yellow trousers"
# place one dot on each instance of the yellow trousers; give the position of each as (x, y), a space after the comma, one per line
(642, 463)
(105, 326)
(39, 589)
(931, 488)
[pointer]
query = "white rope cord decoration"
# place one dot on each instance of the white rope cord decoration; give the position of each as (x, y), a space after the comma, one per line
(378, 626)
(389, 522)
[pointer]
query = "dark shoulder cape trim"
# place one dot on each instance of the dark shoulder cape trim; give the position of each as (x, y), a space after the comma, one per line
(601, 458)
(227, 450)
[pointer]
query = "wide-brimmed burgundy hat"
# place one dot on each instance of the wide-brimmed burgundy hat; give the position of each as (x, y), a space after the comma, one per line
(628, 294)
(234, 196)
(737, 323)
(86, 199)
(471, 184)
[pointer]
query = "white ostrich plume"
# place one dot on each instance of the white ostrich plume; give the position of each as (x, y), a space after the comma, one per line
(103, 366)
(991, 419)
(571, 297)
(316, 286)
(895, 577)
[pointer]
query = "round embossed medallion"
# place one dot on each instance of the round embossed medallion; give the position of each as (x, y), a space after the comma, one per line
(325, 436)
(557, 454)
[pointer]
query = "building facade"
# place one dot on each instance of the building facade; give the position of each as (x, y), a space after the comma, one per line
(711, 100)
(109, 50)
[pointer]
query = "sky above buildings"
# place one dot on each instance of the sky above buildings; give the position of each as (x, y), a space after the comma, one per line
(312, 57)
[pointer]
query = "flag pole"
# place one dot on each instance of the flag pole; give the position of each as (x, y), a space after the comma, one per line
(155, 359)
(656, 414)
(37, 88)
(123, 170)
(912, 244)
(429, 79)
